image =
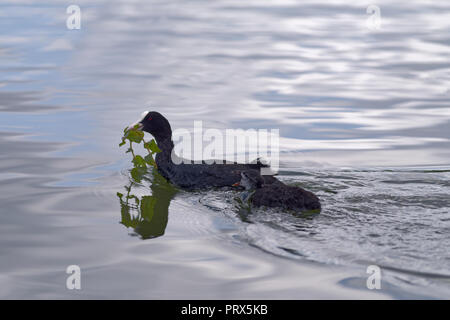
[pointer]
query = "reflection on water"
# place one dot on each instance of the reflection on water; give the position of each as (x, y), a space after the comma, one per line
(152, 211)
(364, 123)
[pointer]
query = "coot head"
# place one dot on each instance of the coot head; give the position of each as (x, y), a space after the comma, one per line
(251, 180)
(154, 123)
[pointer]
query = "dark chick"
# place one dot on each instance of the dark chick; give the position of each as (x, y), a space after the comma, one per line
(277, 195)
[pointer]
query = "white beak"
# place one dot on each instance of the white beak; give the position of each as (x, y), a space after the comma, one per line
(138, 123)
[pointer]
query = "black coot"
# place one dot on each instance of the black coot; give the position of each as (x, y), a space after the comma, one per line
(188, 175)
(277, 195)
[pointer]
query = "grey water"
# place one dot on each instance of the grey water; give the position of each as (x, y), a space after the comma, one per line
(363, 115)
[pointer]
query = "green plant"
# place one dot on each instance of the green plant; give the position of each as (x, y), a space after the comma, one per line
(147, 215)
(140, 164)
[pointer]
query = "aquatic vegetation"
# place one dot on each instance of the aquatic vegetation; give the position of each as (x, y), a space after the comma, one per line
(147, 215)
(134, 135)
(150, 219)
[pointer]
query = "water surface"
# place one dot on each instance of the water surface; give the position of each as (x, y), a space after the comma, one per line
(364, 123)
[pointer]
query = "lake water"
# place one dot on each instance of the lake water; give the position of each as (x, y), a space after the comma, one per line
(364, 120)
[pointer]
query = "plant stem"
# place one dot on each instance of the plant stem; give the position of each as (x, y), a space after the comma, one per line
(131, 148)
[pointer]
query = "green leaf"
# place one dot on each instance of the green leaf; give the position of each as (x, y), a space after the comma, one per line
(122, 143)
(148, 207)
(134, 135)
(138, 161)
(137, 174)
(152, 146)
(149, 159)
